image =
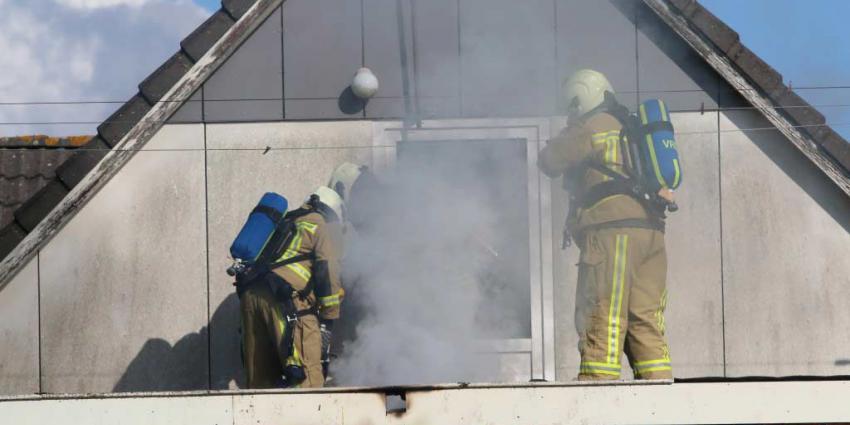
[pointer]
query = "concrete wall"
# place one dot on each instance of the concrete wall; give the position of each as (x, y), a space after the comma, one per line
(655, 403)
(19, 355)
(786, 274)
(460, 59)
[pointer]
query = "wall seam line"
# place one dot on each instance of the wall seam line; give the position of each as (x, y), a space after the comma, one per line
(459, 66)
(38, 307)
(207, 250)
(637, 58)
(722, 268)
(282, 69)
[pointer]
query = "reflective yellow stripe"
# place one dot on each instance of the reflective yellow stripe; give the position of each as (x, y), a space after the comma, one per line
(678, 173)
(300, 270)
(600, 368)
(656, 362)
(653, 365)
(610, 156)
(663, 109)
(329, 301)
(616, 302)
(651, 146)
(659, 314)
(295, 358)
(295, 249)
(306, 225)
(643, 119)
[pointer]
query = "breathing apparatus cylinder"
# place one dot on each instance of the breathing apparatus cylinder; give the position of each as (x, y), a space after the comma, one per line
(257, 231)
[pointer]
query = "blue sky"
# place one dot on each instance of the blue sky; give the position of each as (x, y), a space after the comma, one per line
(807, 41)
(209, 4)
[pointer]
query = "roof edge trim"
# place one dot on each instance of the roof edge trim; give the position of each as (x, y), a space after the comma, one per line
(135, 138)
(722, 64)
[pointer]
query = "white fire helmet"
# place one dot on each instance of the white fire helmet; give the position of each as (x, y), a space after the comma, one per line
(343, 178)
(330, 198)
(585, 90)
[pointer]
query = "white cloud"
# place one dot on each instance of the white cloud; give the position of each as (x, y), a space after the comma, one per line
(61, 50)
(98, 4)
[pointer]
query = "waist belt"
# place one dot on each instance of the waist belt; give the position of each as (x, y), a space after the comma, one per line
(607, 189)
(635, 223)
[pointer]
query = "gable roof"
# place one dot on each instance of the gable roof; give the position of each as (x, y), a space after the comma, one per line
(79, 177)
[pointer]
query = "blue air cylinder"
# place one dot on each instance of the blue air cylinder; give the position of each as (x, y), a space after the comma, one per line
(259, 228)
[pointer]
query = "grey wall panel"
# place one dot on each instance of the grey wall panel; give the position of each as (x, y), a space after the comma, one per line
(319, 64)
(598, 34)
(191, 111)
(383, 53)
(252, 72)
(19, 333)
(787, 278)
(694, 315)
(124, 295)
(236, 182)
(508, 57)
(669, 69)
(382, 107)
(437, 58)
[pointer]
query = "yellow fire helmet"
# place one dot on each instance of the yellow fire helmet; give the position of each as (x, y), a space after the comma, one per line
(585, 90)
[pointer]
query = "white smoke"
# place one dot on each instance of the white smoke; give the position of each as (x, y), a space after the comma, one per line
(425, 277)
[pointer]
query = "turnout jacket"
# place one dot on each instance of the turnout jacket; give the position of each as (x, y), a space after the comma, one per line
(595, 139)
(324, 240)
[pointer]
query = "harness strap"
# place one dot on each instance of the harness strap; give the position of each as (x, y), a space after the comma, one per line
(606, 189)
(656, 126)
(307, 312)
(291, 260)
(638, 223)
(273, 214)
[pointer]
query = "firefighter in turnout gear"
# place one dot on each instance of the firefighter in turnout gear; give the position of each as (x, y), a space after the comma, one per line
(285, 311)
(621, 293)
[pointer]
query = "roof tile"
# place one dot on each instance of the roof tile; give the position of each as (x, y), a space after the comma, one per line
(686, 7)
(237, 8)
(37, 207)
(121, 121)
(800, 111)
(716, 30)
(23, 172)
(758, 70)
(74, 169)
(836, 146)
(160, 81)
(203, 38)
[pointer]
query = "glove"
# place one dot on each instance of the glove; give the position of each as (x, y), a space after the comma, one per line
(326, 328)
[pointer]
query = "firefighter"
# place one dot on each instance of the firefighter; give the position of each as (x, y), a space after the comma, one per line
(621, 294)
(286, 310)
(362, 194)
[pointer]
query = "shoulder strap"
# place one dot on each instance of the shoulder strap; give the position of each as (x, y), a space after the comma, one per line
(291, 260)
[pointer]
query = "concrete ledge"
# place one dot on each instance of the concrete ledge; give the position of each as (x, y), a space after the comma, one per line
(658, 402)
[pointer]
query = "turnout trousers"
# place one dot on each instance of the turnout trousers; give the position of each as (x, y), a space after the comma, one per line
(620, 300)
(262, 341)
